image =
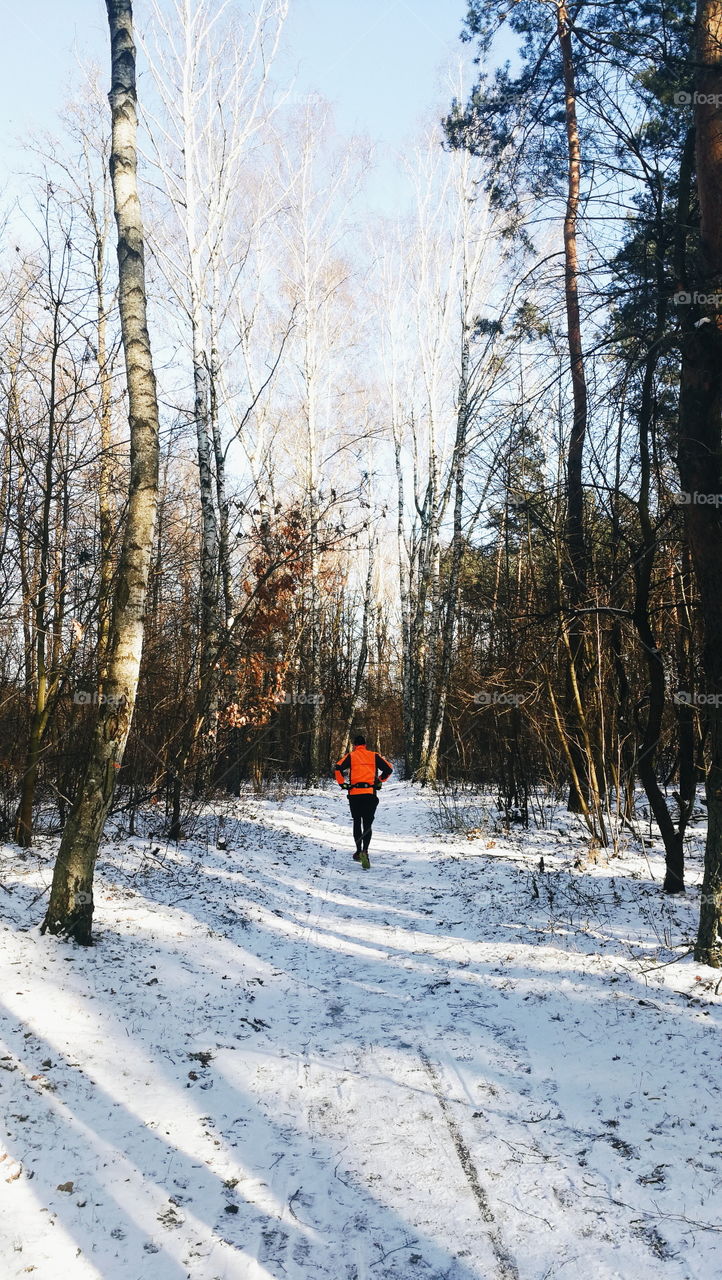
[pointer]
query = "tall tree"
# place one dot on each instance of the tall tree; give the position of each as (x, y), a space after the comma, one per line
(201, 138)
(438, 270)
(519, 119)
(70, 909)
(700, 436)
(315, 189)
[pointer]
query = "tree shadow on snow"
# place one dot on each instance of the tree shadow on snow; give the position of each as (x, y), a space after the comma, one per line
(337, 943)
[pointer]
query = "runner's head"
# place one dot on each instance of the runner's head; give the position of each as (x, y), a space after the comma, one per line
(359, 740)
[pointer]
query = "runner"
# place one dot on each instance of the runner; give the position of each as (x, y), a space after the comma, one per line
(367, 772)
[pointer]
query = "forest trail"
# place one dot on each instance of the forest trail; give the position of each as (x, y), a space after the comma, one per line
(276, 1065)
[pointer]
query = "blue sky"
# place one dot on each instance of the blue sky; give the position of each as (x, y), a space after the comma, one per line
(44, 42)
(378, 62)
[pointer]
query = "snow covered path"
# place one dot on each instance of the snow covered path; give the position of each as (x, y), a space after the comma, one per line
(276, 1065)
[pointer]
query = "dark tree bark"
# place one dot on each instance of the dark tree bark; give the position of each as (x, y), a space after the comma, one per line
(700, 441)
(576, 566)
(644, 562)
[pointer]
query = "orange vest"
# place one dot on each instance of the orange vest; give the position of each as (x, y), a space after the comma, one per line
(363, 769)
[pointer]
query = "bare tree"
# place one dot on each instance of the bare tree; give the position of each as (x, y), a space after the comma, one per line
(70, 909)
(47, 393)
(439, 361)
(200, 140)
(315, 228)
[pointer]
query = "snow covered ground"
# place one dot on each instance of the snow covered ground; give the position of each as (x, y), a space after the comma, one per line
(275, 1064)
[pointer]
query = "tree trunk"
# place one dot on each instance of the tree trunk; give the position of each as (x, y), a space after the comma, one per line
(208, 639)
(700, 444)
(681, 574)
(224, 553)
(70, 910)
(24, 818)
(644, 559)
(576, 566)
(458, 469)
(315, 628)
(405, 600)
(105, 505)
(364, 647)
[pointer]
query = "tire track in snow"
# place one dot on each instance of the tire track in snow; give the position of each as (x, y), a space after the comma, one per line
(273, 1244)
(329, 1120)
(507, 1266)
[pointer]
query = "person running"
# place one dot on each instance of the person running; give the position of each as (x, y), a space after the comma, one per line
(367, 771)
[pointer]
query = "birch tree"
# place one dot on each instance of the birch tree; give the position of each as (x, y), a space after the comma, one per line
(434, 282)
(314, 231)
(210, 63)
(70, 909)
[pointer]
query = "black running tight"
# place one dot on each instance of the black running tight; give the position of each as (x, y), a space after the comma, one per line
(363, 809)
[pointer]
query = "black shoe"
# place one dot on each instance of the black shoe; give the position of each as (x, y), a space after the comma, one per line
(357, 856)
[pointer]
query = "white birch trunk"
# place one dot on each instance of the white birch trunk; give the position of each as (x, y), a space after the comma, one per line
(70, 910)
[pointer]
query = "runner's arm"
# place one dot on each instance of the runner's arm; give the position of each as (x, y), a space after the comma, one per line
(383, 768)
(341, 768)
